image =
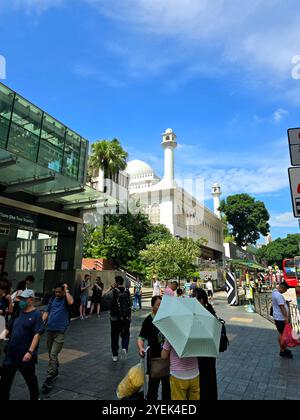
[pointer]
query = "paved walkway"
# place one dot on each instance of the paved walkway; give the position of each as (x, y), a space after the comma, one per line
(250, 370)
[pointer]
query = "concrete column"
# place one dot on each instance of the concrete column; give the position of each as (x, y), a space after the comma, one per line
(70, 250)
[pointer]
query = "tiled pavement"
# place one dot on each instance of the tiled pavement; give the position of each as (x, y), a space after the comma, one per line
(250, 370)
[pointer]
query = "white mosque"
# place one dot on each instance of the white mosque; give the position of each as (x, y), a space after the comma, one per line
(173, 206)
(165, 202)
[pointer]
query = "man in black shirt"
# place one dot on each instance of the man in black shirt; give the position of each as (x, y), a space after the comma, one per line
(155, 339)
(120, 318)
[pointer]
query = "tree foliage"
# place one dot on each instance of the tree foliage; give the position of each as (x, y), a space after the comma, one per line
(278, 250)
(171, 258)
(108, 156)
(247, 218)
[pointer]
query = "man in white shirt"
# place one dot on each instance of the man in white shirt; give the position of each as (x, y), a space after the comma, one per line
(210, 290)
(281, 315)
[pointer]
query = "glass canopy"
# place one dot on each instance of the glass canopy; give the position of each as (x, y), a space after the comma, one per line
(41, 156)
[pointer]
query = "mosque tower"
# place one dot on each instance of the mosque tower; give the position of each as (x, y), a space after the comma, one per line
(216, 193)
(169, 144)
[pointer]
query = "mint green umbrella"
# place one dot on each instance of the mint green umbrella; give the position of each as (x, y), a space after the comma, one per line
(190, 329)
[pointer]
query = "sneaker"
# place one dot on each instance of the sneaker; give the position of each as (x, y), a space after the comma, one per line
(48, 384)
(124, 354)
(286, 354)
(82, 317)
(115, 358)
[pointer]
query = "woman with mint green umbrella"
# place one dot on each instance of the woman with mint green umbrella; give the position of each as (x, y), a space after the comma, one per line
(207, 365)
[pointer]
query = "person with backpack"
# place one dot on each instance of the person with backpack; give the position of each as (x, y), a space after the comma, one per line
(57, 317)
(120, 318)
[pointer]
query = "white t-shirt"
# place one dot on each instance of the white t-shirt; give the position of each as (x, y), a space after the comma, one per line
(156, 288)
(209, 286)
(278, 300)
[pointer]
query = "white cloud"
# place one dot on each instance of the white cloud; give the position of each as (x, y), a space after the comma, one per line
(260, 37)
(279, 115)
(255, 39)
(259, 172)
(284, 220)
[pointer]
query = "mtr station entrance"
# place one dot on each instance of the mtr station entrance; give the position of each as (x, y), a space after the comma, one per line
(42, 191)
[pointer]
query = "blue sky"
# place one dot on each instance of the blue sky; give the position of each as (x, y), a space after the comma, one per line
(219, 72)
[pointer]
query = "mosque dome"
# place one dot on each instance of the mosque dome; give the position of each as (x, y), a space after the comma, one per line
(138, 168)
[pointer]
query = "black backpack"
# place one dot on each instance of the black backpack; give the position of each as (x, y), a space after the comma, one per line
(224, 342)
(123, 303)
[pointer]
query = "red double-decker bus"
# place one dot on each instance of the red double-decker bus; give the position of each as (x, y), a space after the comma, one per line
(291, 271)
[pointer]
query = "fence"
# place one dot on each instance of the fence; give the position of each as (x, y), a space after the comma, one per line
(263, 304)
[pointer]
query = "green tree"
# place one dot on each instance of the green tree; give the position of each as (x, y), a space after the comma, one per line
(157, 234)
(247, 218)
(278, 250)
(137, 224)
(108, 156)
(117, 245)
(171, 258)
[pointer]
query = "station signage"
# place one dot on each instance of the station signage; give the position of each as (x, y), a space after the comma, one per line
(18, 217)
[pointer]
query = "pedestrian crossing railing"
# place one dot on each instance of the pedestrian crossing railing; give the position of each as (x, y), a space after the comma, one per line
(263, 304)
(295, 318)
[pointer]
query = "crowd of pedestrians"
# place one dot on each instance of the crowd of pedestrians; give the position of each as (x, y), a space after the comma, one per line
(25, 325)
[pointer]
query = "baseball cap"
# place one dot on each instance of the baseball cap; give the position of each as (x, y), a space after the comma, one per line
(284, 284)
(27, 294)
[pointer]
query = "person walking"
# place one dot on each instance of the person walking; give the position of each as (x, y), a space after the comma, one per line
(155, 340)
(25, 330)
(57, 317)
(6, 307)
(207, 365)
(120, 318)
(184, 379)
(210, 290)
(84, 295)
(137, 295)
(281, 315)
(156, 288)
(97, 296)
(187, 288)
(194, 286)
(171, 288)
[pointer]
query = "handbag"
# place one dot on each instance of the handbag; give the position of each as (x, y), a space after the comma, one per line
(159, 368)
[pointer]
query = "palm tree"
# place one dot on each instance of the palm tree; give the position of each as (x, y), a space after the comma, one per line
(109, 156)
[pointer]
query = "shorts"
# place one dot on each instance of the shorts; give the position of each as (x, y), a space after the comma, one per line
(96, 300)
(280, 325)
(84, 300)
(210, 293)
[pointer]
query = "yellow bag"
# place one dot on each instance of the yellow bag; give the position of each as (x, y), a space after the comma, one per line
(132, 383)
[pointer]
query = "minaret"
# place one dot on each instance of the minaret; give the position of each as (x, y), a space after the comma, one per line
(216, 193)
(169, 144)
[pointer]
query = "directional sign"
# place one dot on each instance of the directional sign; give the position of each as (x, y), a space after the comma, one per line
(232, 290)
(294, 175)
(294, 142)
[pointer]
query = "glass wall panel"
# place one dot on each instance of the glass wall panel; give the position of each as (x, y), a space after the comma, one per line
(27, 116)
(53, 131)
(6, 102)
(23, 142)
(4, 125)
(50, 156)
(82, 164)
(71, 154)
